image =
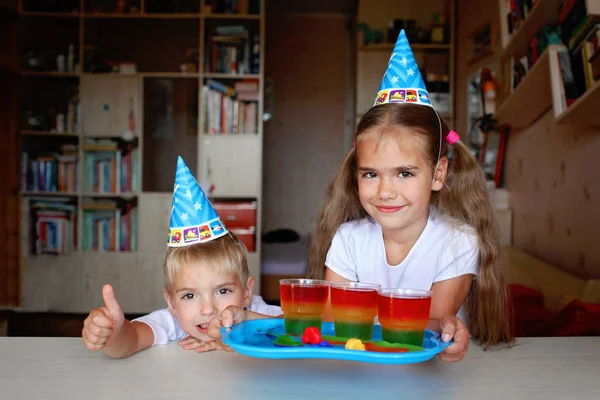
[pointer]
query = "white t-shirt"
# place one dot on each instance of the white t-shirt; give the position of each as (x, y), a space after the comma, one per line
(166, 328)
(443, 251)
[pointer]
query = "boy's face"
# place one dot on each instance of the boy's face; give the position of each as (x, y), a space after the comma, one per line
(199, 293)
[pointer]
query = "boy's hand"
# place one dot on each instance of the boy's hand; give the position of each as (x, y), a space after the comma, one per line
(191, 343)
(453, 328)
(104, 323)
(230, 316)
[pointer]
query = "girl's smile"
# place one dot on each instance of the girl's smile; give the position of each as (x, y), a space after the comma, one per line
(389, 209)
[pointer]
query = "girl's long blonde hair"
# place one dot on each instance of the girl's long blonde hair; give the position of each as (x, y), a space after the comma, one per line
(464, 197)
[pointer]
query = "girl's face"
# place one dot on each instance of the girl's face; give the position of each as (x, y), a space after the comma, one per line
(199, 293)
(395, 181)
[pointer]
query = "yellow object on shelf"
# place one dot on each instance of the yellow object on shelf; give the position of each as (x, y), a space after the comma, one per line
(355, 344)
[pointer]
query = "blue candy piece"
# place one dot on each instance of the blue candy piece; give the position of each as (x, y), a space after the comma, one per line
(322, 344)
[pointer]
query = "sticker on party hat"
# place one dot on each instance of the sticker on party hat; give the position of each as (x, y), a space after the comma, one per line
(193, 218)
(402, 82)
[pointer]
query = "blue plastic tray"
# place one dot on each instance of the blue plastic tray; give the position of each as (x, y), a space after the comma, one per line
(250, 338)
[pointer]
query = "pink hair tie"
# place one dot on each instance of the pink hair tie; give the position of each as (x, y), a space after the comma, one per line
(452, 137)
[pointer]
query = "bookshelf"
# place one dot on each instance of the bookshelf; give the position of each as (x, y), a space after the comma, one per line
(135, 89)
(435, 59)
(561, 78)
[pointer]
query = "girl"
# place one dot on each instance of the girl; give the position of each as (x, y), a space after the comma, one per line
(399, 213)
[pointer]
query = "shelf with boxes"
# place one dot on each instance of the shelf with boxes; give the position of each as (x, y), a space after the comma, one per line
(429, 26)
(239, 216)
(563, 37)
(138, 79)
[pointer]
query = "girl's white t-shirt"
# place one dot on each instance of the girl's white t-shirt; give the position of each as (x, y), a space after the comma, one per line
(444, 251)
(166, 328)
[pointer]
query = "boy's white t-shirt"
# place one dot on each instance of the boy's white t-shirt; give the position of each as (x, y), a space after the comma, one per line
(443, 251)
(166, 328)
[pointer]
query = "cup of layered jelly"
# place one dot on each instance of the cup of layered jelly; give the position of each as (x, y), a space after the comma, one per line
(403, 314)
(354, 307)
(303, 302)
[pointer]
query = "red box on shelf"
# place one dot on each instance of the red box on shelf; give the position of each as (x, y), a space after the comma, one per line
(240, 218)
(237, 214)
(247, 237)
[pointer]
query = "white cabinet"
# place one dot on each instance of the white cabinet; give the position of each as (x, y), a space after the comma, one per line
(232, 164)
(106, 103)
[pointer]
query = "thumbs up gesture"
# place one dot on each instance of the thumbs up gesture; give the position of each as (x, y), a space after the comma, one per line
(104, 323)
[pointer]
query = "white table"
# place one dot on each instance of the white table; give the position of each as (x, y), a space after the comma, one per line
(61, 368)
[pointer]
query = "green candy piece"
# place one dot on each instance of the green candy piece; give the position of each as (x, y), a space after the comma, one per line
(410, 347)
(285, 340)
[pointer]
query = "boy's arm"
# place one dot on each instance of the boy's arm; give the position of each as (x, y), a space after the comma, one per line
(106, 329)
(133, 337)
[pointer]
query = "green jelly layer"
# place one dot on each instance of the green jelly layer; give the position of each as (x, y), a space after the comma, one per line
(294, 326)
(407, 337)
(352, 330)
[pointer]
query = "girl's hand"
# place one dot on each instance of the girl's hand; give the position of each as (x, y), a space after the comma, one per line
(230, 316)
(191, 343)
(453, 328)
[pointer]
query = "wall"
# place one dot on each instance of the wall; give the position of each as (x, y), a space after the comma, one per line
(306, 55)
(549, 170)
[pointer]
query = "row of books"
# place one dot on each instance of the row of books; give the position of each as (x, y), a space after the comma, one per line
(52, 226)
(109, 225)
(50, 171)
(230, 110)
(233, 50)
(110, 166)
(580, 66)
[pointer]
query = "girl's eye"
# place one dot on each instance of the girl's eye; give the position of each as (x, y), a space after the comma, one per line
(405, 174)
(187, 296)
(369, 175)
(224, 291)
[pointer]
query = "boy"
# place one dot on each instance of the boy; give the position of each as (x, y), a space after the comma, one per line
(206, 271)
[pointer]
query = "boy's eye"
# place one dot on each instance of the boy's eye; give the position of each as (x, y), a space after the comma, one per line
(405, 174)
(224, 291)
(187, 296)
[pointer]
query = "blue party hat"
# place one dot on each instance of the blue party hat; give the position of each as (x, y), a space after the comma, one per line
(193, 218)
(402, 82)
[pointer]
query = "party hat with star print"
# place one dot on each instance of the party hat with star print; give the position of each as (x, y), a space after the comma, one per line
(193, 218)
(402, 82)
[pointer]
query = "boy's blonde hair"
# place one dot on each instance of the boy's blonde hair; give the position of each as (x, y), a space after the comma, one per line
(225, 255)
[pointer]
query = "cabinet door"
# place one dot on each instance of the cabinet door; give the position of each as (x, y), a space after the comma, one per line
(106, 103)
(233, 164)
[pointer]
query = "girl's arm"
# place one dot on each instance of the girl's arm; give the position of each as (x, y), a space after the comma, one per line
(449, 296)
(331, 277)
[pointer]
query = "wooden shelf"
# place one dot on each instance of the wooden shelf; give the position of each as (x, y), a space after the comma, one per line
(231, 16)
(230, 76)
(229, 135)
(194, 75)
(531, 98)
(584, 111)
(45, 133)
(50, 194)
(51, 73)
(104, 194)
(544, 13)
(50, 14)
(387, 47)
(171, 16)
(143, 15)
